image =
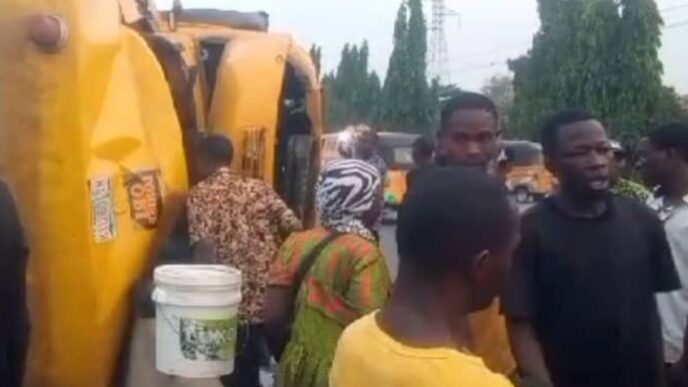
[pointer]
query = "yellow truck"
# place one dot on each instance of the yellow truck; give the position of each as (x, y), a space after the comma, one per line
(100, 103)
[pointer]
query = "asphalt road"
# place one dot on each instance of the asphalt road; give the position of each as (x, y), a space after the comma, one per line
(388, 242)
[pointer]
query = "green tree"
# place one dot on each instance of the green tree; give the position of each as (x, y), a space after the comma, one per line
(501, 90)
(598, 55)
(392, 104)
(352, 91)
(407, 102)
(670, 107)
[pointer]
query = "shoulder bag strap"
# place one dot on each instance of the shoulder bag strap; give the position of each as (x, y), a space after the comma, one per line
(309, 261)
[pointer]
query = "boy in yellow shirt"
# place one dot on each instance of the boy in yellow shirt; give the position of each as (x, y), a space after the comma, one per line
(456, 232)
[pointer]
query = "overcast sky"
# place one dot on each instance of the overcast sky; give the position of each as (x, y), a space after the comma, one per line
(480, 41)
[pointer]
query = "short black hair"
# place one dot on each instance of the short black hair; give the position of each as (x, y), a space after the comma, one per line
(423, 146)
(453, 212)
(549, 135)
(671, 136)
(216, 148)
(466, 101)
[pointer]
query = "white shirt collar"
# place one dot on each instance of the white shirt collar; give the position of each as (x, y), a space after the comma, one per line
(665, 210)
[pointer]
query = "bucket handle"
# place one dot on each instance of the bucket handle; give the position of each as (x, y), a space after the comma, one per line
(171, 323)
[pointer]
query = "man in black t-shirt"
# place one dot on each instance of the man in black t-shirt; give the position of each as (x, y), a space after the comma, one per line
(581, 297)
(13, 315)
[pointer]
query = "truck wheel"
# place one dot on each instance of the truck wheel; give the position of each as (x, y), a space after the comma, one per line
(522, 195)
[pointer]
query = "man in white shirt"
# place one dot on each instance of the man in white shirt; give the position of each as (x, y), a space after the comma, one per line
(665, 165)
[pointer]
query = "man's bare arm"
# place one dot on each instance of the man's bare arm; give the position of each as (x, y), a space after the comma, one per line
(527, 351)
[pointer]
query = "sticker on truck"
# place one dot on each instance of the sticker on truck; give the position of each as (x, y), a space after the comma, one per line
(145, 198)
(103, 221)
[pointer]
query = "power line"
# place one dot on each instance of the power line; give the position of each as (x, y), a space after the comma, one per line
(439, 58)
(439, 52)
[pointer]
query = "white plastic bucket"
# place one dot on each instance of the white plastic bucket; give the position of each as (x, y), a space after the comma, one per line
(196, 319)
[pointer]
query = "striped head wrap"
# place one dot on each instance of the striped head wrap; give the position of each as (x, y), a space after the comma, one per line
(346, 190)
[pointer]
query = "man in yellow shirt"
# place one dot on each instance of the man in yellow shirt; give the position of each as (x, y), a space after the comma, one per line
(456, 233)
(470, 136)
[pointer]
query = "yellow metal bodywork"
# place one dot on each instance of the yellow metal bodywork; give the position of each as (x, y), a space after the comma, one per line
(98, 110)
(245, 105)
(190, 53)
(246, 95)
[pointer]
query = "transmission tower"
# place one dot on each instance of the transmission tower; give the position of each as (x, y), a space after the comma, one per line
(439, 53)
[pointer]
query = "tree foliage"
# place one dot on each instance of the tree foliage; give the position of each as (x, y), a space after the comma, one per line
(683, 100)
(501, 90)
(408, 102)
(352, 91)
(598, 55)
(670, 107)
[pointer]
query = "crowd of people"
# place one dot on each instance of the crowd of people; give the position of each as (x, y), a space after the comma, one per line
(587, 288)
(583, 289)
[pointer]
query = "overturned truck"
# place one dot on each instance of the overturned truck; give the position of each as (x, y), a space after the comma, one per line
(100, 105)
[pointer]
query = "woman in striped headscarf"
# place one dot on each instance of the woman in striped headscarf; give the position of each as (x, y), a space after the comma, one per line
(347, 279)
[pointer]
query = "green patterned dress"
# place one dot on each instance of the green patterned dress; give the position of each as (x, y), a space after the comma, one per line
(349, 280)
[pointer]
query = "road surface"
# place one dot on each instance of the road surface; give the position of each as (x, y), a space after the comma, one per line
(388, 242)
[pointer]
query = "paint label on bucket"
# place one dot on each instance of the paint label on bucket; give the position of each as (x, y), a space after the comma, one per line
(102, 209)
(207, 340)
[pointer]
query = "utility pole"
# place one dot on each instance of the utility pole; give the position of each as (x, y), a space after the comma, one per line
(439, 52)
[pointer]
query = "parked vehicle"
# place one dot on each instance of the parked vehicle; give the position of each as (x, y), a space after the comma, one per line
(397, 151)
(526, 177)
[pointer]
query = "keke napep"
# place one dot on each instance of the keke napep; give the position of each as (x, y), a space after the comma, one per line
(98, 116)
(396, 150)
